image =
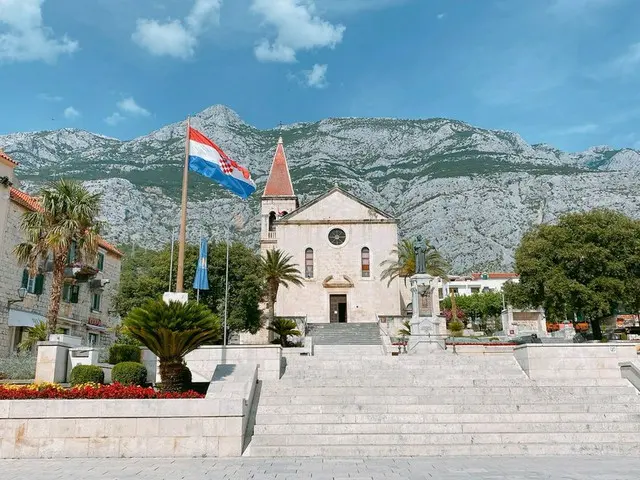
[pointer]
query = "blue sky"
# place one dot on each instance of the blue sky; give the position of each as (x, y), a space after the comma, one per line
(564, 72)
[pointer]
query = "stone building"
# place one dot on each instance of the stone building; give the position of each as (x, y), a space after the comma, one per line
(338, 242)
(85, 310)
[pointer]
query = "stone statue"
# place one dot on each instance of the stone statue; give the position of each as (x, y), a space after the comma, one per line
(420, 250)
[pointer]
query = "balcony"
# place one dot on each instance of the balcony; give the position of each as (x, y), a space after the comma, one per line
(80, 272)
(271, 235)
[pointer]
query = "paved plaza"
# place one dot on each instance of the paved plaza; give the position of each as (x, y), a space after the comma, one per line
(463, 468)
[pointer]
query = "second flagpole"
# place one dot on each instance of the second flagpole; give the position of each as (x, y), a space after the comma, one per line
(183, 215)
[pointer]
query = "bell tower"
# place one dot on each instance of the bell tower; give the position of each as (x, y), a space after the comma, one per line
(277, 200)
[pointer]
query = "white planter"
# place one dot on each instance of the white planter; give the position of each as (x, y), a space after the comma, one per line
(70, 340)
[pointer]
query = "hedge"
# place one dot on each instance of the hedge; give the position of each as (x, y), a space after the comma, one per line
(119, 353)
(129, 373)
(86, 374)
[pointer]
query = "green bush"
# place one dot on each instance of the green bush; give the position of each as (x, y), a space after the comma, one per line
(129, 373)
(456, 328)
(86, 374)
(119, 353)
(624, 336)
(186, 377)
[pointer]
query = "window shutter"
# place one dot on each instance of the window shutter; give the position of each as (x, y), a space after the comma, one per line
(101, 261)
(39, 285)
(75, 293)
(25, 278)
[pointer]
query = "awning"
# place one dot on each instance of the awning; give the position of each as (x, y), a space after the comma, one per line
(18, 318)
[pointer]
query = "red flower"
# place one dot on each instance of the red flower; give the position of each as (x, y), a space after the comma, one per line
(113, 391)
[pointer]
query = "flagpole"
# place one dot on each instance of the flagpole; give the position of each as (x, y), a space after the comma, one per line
(226, 293)
(173, 238)
(183, 215)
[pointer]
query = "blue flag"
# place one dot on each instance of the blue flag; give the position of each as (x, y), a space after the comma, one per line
(201, 282)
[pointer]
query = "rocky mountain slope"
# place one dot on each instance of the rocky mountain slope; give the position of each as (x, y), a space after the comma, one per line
(474, 192)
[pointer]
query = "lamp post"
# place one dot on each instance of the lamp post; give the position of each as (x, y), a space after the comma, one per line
(22, 292)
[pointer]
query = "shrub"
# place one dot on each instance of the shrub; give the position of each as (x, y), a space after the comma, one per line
(129, 373)
(87, 391)
(119, 353)
(456, 328)
(86, 374)
(21, 366)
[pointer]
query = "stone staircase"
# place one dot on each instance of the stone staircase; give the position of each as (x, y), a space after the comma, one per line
(345, 339)
(440, 404)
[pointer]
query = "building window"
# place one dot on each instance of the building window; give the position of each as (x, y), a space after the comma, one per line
(93, 339)
(100, 263)
(272, 221)
(440, 294)
(308, 263)
(475, 290)
(337, 236)
(33, 285)
(453, 290)
(70, 293)
(71, 255)
(365, 261)
(95, 302)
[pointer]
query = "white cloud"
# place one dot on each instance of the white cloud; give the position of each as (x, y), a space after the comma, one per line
(628, 62)
(49, 98)
(297, 28)
(440, 16)
(317, 76)
(71, 113)
(114, 119)
(176, 38)
(129, 106)
(578, 129)
(26, 38)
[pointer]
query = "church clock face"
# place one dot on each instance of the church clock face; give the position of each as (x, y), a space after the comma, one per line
(337, 236)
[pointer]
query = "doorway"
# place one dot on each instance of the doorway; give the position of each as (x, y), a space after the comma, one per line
(338, 308)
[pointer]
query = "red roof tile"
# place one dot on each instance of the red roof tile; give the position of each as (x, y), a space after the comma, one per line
(279, 182)
(32, 203)
(495, 275)
(8, 158)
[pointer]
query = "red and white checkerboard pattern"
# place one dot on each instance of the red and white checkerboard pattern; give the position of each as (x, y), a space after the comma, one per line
(226, 165)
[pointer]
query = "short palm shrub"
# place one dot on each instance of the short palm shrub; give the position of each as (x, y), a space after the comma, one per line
(86, 374)
(119, 353)
(284, 327)
(456, 328)
(171, 331)
(129, 373)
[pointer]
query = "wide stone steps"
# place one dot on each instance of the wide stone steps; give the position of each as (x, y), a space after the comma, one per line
(422, 408)
(451, 450)
(344, 333)
(440, 428)
(515, 381)
(435, 392)
(484, 400)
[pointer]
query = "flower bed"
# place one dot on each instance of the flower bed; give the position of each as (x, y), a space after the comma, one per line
(86, 391)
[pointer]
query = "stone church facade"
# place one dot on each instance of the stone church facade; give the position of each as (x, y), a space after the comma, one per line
(338, 242)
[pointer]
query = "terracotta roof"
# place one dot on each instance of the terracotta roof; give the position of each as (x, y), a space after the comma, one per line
(279, 182)
(27, 201)
(8, 158)
(495, 275)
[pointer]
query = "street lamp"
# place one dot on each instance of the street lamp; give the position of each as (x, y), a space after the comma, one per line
(22, 292)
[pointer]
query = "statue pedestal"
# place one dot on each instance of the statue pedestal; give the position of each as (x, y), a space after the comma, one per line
(425, 320)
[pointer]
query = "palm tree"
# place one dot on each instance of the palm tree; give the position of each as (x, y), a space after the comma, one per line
(277, 271)
(66, 218)
(405, 331)
(38, 333)
(284, 327)
(404, 264)
(171, 331)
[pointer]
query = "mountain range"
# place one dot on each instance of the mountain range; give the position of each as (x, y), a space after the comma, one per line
(473, 192)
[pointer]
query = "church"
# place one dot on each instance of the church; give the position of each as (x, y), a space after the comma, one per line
(338, 243)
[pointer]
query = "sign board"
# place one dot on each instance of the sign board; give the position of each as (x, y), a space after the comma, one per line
(175, 297)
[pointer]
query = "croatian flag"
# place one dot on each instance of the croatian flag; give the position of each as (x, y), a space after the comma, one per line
(207, 159)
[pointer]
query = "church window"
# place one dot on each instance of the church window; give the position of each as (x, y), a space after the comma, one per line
(365, 259)
(272, 220)
(337, 236)
(308, 263)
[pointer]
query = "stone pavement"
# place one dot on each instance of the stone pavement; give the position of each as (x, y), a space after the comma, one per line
(462, 468)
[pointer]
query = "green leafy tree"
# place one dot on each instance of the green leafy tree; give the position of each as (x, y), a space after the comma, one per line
(403, 264)
(482, 308)
(405, 331)
(587, 265)
(145, 275)
(278, 271)
(67, 217)
(284, 327)
(171, 331)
